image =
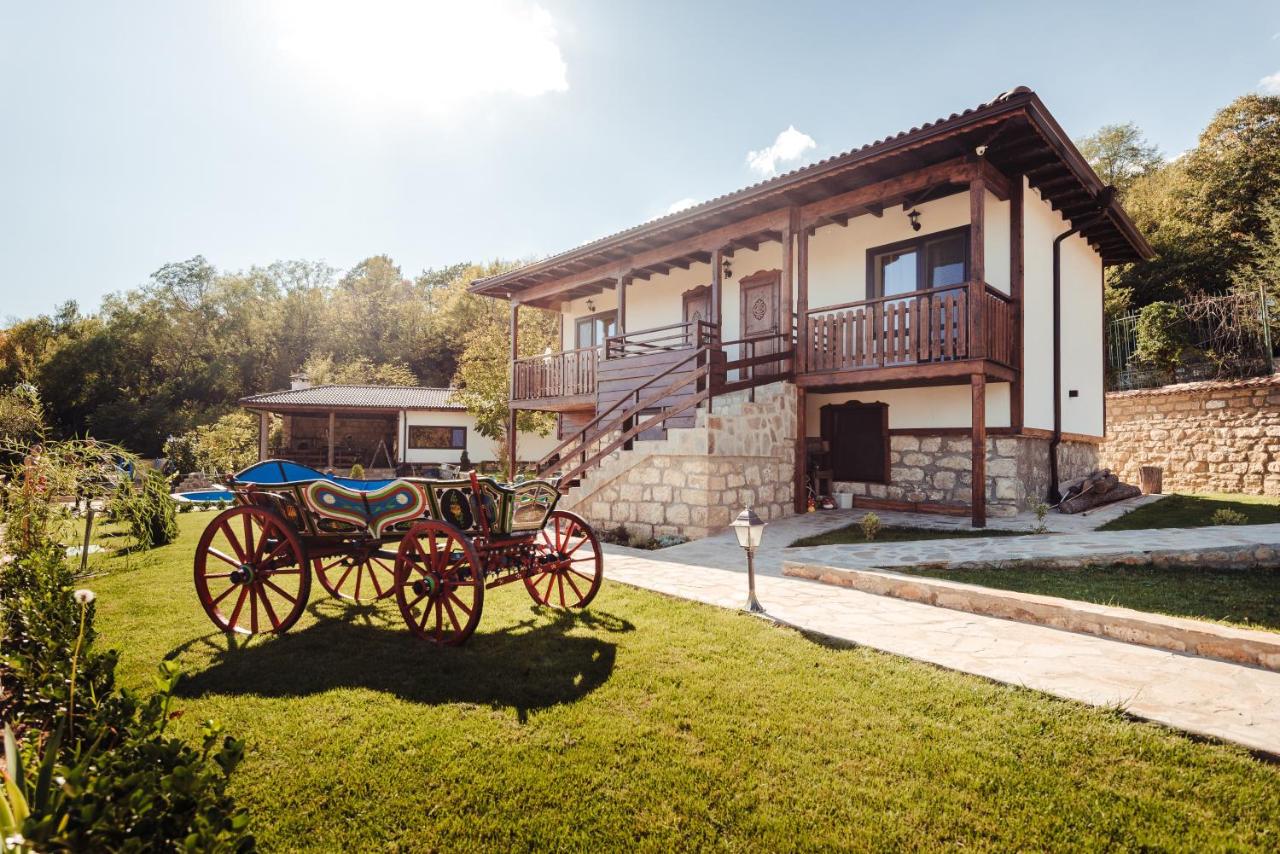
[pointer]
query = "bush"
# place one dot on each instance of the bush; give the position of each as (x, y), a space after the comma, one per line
(617, 535)
(149, 512)
(1162, 336)
(185, 506)
(1227, 516)
(227, 445)
(870, 525)
(357, 472)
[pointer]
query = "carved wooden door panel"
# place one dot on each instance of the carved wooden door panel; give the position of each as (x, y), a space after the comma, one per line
(697, 307)
(761, 319)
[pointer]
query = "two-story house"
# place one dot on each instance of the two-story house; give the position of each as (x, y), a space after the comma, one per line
(917, 322)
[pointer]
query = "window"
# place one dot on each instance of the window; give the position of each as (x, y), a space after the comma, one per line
(934, 261)
(432, 438)
(591, 331)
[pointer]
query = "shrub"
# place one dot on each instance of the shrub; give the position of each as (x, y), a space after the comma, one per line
(1227, 516)
(149, 511)
(870, 525)
(464, 462)
(227, 445)
(1162, 336)
(185, 506)
(668, 540)
(357, 472)
(617, 535)
(1041, 510)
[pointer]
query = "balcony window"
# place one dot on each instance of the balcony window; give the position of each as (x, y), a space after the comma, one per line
(591, 331)
(933, 261)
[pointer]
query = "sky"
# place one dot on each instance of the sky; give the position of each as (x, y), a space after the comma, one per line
(140, 133)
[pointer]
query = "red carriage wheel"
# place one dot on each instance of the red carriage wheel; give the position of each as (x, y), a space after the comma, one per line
(569, 565)
(251, 572)
(439, 583)
(359, 577)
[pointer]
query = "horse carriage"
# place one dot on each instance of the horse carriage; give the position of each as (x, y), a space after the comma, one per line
(433, 544)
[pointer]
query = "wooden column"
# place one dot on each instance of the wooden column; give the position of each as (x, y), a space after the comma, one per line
(977, 265)
(622, 304)
(788, 273)
(1016, 267)
(511, 411)
(333, 425)
(264, 428)
(802, 346)
(978, 431)
(717, 259)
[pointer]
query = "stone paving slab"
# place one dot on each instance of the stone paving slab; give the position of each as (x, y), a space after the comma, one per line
(1178, 634)
(1198, 695)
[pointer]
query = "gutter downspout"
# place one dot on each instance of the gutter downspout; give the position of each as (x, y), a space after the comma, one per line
(1103, 200)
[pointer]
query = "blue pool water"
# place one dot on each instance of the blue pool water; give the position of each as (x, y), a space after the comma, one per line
(206, 495)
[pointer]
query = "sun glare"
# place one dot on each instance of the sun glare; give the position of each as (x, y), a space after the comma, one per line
(426, 57)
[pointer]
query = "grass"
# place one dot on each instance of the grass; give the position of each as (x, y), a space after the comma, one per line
(898, 534)
(1194, 511)
(652, 723)
(1249, 598)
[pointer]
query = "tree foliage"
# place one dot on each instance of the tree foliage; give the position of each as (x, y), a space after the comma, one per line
(1120, 155)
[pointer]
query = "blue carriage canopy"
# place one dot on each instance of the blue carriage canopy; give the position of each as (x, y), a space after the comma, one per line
(280, 472)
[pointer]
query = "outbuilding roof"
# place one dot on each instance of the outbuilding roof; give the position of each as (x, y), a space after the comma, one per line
(1014, 131)
(355, 397)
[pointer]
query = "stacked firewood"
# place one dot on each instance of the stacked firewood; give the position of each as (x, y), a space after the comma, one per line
(1097, 488)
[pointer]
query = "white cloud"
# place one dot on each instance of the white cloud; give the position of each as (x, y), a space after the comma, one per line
(424, 56)
(1270, 84)
(789, 145)
(681, 205)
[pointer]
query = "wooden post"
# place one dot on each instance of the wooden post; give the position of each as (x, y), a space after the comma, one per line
(511, 412)
(1016, 266)
(978, 431)
(801, 452)
(802, 300)
(333, 428)
(622, 303)
(977, 266)
(264, 427)
(717, 259)
(788, 278)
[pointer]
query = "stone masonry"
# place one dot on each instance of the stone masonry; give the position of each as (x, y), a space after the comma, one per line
(1207, 436)
(697, 479)
(937, 470)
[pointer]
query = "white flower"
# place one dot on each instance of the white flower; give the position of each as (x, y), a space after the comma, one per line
(84, 596)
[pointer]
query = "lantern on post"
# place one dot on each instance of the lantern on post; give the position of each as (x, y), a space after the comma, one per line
(749, 529)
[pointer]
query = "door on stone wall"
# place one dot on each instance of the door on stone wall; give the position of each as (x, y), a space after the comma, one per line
(857, 435)
(760, 320)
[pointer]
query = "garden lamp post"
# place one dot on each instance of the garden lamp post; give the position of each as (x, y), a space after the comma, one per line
(749, 529)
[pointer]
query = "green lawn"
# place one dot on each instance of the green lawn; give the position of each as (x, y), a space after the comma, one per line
(656, 724)
(1244, 597)
(891, 534)
(1194, 511)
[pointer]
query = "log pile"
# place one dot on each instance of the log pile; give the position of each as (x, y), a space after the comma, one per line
(1098, 488)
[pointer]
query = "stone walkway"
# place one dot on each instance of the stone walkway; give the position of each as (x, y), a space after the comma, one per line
(1211, 698)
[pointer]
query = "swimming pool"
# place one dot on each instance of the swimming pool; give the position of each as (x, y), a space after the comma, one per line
(205, 496)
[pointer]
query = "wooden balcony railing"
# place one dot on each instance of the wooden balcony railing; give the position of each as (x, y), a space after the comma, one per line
(934, 325)
(675, 336)
(567, 374)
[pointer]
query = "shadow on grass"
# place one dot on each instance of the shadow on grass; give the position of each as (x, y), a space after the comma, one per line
(532, 665)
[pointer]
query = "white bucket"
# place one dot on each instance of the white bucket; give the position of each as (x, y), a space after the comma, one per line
(844, 500)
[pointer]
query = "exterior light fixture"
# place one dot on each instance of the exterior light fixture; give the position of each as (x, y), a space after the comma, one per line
(727, 268)
(591, 306)
(914, 216)
(749, 529)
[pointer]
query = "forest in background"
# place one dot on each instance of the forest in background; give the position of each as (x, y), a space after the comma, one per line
(175, 354)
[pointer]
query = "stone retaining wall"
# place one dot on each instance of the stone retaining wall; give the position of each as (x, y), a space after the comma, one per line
(937, 470)
(696, 480)
(1207, 436)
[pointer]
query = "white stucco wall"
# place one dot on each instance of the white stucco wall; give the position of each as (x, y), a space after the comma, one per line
(479, 448)
(1082, 347)
(931, 407)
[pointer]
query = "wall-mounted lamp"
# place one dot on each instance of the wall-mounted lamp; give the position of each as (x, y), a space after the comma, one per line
(727, 268)
(914, 216)
(591, 306)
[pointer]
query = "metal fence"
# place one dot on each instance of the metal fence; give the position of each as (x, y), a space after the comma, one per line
(1228, 336)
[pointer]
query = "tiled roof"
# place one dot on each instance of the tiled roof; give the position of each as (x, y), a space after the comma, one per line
(357, 397)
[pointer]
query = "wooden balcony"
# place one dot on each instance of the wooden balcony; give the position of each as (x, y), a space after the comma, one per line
(918, 338)
(556, 382)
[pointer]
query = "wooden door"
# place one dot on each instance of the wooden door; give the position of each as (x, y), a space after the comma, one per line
(858, 437)
(760, 319)
(697, 307)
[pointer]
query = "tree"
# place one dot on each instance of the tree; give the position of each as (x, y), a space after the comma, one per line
(321, 370)
(1120, 155)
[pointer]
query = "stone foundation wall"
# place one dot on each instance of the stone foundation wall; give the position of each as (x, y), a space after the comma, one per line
(937, 470)
(1207, 436)
(695, 481)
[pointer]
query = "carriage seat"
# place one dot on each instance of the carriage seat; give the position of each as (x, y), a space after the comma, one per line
(375, 506)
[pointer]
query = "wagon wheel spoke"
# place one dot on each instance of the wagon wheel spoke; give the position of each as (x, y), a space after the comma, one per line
(235, 543)
(569, 578)
(224, 594)
(453, 618)
(271, 612)
(248, 535)
(235, 612)
(224, 558)
(456, 601)
(267, 582)
(253, 608)
(560, 586)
